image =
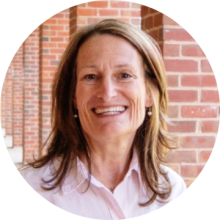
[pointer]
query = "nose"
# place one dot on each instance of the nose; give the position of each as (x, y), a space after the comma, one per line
(106, 90)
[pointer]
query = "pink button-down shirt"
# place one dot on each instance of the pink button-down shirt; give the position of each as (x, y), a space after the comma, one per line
(97, 201)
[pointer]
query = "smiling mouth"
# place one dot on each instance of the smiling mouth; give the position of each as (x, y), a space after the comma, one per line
(110, 111)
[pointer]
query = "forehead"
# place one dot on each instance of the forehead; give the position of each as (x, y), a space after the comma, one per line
(107, 46)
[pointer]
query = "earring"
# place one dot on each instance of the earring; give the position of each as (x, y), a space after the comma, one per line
(149, 112)
(75, 116)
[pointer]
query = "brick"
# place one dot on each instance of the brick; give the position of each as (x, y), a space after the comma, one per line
(191, 170)
(210, 96)
(176, 35)
(56, 27)
(93, 20)
(119, 4)
(182, 156)
(135, 5)
(168, 21)
(182, 126)
(171, 50)
(182, 95)
(152, 11)
(65, 22)
(148, 23)
(48, 45)
(192, 51)
(125, 19)
(48, 69)
(50, 21)
(49, 33)
(205, 66)
(109, 12)
(59, 16)
(191, 80)
(56, 39)
(172, 80)
(130, 13)
(49, 56)
(155, 34)
(87, 12)
(204, 155)
(209, 126)
(82, 20)
(158, 20)
(199, 80)
(197, 141)
(144, 11)
(46, 39)
(84, 5)
(57, 51)
(98, 4)
(62, 45)
(209, 80)
(174, 65)
(199, 111)
(54, 63)
(173, 111)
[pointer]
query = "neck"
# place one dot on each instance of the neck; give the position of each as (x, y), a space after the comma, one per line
(110, 160)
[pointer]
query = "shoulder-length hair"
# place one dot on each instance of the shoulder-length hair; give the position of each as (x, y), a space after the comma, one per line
(152, 140)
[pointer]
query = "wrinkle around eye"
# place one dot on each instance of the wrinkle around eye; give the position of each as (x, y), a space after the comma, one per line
(89, 78)
(126, 77)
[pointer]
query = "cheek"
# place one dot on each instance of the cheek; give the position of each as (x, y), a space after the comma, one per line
(138, 106)
(80, 95)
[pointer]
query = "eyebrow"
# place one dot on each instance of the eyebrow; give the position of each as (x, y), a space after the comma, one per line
(116, 66)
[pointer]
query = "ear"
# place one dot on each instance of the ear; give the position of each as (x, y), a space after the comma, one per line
(149, 100)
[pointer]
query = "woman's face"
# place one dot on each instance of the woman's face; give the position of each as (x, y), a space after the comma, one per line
(110, 94)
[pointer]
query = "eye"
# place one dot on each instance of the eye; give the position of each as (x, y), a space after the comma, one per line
(125, 75)
(90, 77)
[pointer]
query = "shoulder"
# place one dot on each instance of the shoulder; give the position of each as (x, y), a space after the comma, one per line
(34, 176)
(177, 183)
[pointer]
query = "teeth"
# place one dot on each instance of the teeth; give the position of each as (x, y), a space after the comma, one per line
(110, 111)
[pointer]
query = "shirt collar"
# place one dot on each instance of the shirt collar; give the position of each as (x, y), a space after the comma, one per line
(78, 180)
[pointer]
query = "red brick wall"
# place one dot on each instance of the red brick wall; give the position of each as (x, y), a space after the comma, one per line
(31, 96)
(94, 11)
(3, 106)
(54, 36)
(152, 23)
(18, 98)
(193, 94)
(8, 87)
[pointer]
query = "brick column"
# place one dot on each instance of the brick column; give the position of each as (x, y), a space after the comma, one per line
(8, 82)
(54, 37)
(152, 23)
(193, 94)
(31, 143)
(73, 20)
(3, 107)
(18, 98)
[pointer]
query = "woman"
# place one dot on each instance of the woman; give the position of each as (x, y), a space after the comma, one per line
(109, 137)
